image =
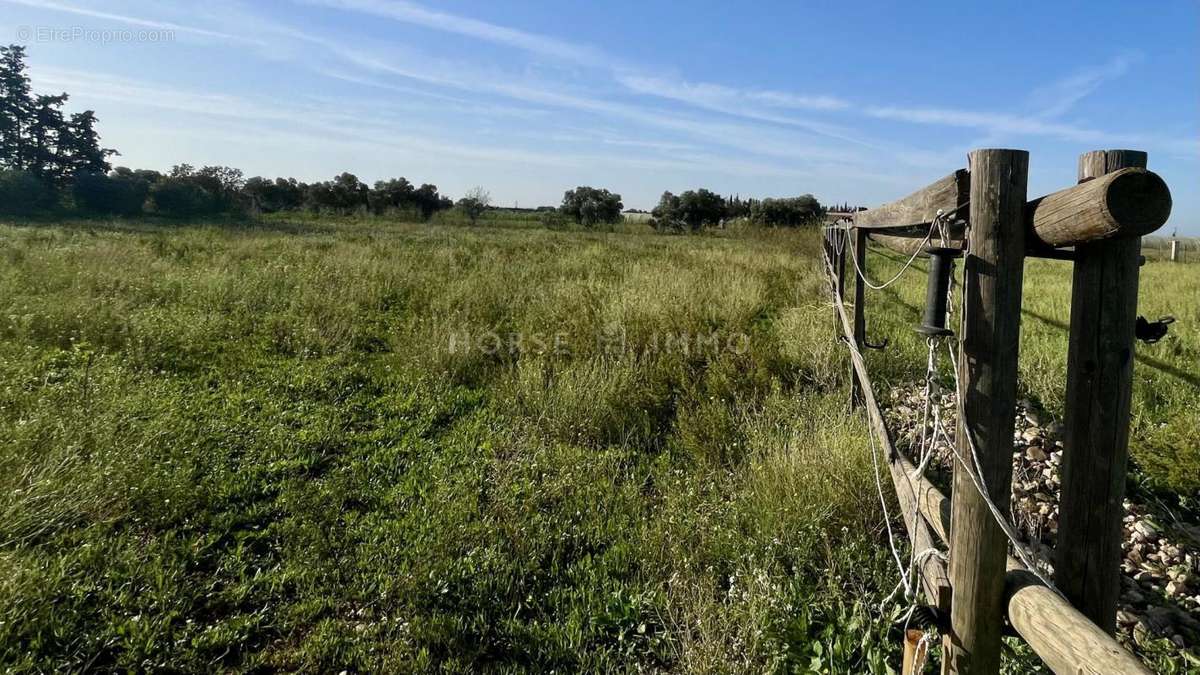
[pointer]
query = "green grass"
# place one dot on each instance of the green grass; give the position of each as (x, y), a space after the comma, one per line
(296, 446)
(260, 448)
(1166, 393)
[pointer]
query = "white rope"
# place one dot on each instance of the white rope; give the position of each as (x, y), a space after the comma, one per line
(917, 557)
(887, 520)
(863, 275)
(1026, 557)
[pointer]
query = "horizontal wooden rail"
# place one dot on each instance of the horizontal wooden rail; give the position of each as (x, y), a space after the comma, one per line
(909, 243)
(1130, 202)
(1127, 203)
(920, 207)
(1057, 632)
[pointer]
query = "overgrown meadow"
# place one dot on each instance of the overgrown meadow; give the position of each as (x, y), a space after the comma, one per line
(299, 447)
(374, 446)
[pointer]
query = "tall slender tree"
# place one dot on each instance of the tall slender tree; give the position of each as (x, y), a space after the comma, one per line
(16, 107)
(36, 136)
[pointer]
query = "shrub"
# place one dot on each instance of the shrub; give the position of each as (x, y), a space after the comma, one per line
(591, 206)
(693, 210)
(269, 196)
(667, 216)
(788, 212)
(181, 197)
(474, 204)
(552, 219)
(22, 193)
(110, 195)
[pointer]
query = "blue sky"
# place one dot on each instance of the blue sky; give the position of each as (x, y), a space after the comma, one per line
(852, 102)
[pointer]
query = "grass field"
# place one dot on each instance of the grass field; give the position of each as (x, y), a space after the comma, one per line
(375, 446)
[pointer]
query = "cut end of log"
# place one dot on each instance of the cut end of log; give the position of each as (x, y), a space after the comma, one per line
(1131, 202)
(1139, 201)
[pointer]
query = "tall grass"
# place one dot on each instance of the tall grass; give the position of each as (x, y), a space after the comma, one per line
(317, 446)
(1166, 391)
(383, 446)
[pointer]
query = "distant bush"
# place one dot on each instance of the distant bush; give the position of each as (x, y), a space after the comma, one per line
(691, 211)
(267, 196)
(788, 212)
(22, 193)
(591, 206)
(182, 198)
(110, 195)
(552, 219)
(474, 204)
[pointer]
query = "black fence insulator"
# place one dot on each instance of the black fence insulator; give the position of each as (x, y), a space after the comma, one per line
(1152, 331)
(941, 264)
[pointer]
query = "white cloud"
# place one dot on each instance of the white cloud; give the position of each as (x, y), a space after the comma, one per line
(408, 12)
(1060, 96)
(125, 19)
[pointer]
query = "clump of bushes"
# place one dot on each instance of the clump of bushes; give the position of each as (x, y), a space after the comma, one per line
(120, 195)
(691, 211)
(787, 212)
(182, 198)
(23, 193)
(591, 206)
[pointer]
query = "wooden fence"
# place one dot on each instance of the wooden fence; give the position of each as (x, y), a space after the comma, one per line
(1097, 224)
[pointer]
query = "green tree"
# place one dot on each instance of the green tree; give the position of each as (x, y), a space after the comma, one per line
(267, 196)
(429, 201)
(16, 108)
(693, 210)
(666, 217)
(701, 208)
(591, 206)
(83, 153)
(474, 203)
(36, 136)
(788, 212)
(115, 194)
(22, 193)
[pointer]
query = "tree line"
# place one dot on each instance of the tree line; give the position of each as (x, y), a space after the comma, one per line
(52, 161)
(695, 210)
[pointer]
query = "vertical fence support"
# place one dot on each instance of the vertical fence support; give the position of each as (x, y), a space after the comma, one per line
(860, 306)
(1099, 385)
(1174, 250)
(844, 245)
(837, 258)
(987, 372)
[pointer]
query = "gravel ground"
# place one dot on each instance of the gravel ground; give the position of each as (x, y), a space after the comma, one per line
(1161, 565)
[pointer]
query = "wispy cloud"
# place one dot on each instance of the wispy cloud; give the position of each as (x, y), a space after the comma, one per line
(124, 18)
(706, 93)
(762, 106)
(408, 12)
(1058, 97)
(742, 138)
(986, 121)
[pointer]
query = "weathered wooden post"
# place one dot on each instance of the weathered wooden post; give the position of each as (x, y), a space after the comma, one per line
(1099, 385)
(860, 307)
(1174, 250)
(987, 372)
(844, 243)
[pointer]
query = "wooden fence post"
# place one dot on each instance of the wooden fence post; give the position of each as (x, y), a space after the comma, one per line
(987, 372)
(1099, 385)
(860, 307)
